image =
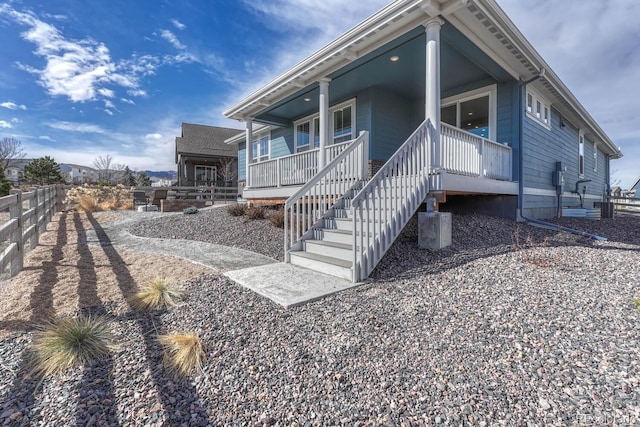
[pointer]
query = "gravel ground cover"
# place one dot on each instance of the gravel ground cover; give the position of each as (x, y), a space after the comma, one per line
(512, 325)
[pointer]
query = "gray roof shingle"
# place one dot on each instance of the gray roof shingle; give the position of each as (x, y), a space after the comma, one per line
(206, 140)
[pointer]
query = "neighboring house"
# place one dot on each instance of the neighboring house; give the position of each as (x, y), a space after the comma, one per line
(634, 191)
(203, 157)
(78, 174)
(444, 98)
(15, 171)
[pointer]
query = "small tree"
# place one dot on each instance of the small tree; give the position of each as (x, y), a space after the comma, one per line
(143, 180)
(5, 185)
(128, 179)
(44, 170)
(109, 173)
(227, 170)
(10, 149)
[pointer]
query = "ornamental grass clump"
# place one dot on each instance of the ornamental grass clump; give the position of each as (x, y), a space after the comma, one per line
(65, 342)
(94, 199)
(183, 352)
(256, 212)
(159, 293)
(237, 209)
(276, 218)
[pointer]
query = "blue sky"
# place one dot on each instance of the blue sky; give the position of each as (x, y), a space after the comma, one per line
(82, 79)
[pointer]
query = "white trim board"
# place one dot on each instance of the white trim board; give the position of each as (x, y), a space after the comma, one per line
(530, 191)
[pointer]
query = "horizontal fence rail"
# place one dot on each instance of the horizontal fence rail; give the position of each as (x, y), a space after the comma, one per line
(25, 224)
(464, 153)
(390, 198)
(294, 169)
(315, 198)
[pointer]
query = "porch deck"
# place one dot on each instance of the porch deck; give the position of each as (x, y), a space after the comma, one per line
(468, 163)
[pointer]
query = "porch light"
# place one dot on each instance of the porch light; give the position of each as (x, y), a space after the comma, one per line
(394, 58)
(470, 113)
(307, 99)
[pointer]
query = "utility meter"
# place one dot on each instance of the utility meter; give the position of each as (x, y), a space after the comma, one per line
(557, 179)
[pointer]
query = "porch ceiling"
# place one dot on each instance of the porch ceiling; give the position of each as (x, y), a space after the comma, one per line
(462, 64)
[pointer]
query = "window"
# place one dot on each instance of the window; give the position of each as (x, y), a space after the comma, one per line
(260, 148)
(542, 111)
(204, 174)
(595, 157)
(473, 111)
(341, 120)
(581, 155)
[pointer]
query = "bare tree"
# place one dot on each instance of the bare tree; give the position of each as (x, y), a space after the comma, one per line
(227, 170)
(108, 171)
(10, 149)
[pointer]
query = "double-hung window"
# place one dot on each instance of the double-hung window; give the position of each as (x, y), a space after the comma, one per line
(260, 148)
(595, 157)
(538, 108)
(341, 127)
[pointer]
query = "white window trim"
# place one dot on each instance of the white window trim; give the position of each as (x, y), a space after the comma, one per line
(545, 108)
(595, 157)
(581, 154)
(257, 137)
(491, 91)
(349, 103)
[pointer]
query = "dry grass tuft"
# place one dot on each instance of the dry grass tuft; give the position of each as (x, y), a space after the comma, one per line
(66, 342)
(88, 204)
(536, 253)
(158, 294)
(256, 212)
(237, 209)
(183, 352)
(276, 218)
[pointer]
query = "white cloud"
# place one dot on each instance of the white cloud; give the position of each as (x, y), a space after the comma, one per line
(46, 138)
(137, 92)
(179, 25)
(127, 101)
(171, 38)
(109, 104)
(109, 112)
(5, 124)
(155, 136)
(13, 106)
(76, 127)
(76, 69)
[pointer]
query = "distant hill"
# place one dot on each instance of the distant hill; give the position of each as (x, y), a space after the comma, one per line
(162, 174)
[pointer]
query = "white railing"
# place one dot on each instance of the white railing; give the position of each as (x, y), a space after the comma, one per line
(385, 204)
(294, 169)
(315, 198)
(464, 153)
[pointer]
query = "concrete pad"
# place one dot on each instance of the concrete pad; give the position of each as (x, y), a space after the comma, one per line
(289, 285)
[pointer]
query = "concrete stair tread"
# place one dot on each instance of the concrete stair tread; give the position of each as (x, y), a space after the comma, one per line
(322, 258)
(330, 244)
(335, 230)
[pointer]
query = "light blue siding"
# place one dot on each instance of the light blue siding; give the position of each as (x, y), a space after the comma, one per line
(242, 161)
(392, 123)
(281, 142)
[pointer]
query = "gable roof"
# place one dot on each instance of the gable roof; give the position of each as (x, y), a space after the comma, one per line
(482, 21)
(205, 140)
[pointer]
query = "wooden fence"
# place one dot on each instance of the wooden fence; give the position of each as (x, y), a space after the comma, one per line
(627, 205)
(25, 224)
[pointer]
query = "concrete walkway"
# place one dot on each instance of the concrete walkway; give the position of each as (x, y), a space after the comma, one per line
(284, 284)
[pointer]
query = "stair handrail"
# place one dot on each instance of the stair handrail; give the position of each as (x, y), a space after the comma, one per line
(316, 197)
(390, 198)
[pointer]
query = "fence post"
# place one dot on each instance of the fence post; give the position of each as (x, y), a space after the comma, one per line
(33, 204)
(51, 203)
(16, 236)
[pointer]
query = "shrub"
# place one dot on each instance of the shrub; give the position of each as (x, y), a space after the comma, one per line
(158, 294)
(277, 218)
(190, 210)
(538, 254)
(237, 209)
(87, 204)
(104, 198)
(256, 212)
(183, 352)
(66, 342)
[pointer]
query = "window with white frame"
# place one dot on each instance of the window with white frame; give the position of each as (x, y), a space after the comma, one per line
(581, 154)
(595, 157)
(538, 108)
(204, 173)
(260, 148)
(473, 111)
(342, 119)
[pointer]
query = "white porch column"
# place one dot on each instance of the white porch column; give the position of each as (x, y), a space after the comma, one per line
(324, 121)
(249, 149)
(432, 88)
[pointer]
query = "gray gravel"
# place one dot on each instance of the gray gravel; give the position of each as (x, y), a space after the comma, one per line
(477, 334)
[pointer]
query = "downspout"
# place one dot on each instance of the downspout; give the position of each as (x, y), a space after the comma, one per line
(521, 96)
